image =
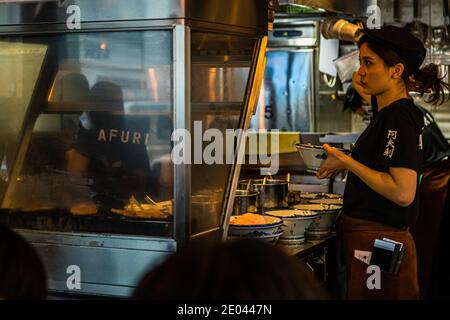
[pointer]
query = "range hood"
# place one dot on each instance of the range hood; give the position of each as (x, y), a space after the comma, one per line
(353, 7)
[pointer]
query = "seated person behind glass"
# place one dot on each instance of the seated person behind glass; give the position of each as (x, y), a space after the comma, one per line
(111, 148)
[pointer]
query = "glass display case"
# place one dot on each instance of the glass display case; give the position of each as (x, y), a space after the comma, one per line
(87, 129)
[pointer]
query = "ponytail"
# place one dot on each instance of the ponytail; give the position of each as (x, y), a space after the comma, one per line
(427, 80)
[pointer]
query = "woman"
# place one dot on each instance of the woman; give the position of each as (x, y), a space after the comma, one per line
(380, 199)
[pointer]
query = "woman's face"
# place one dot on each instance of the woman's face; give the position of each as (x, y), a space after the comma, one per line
(373, 74)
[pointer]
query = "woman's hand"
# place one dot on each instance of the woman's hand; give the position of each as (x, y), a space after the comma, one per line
(336, 162)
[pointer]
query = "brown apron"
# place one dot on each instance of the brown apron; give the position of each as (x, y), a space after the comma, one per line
(358, 234)
(433, 196)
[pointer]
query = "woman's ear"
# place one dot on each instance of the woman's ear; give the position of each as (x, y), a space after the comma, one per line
(397, 71)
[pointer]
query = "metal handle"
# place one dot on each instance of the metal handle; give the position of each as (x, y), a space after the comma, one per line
(396, 10)
(416, 9)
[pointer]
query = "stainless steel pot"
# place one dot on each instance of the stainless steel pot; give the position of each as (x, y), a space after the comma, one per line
(205, 212)
(245, 201)
(272, 192)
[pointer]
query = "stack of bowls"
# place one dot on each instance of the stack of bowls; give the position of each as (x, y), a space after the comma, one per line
(295, 224)
(323, 224)
(268, 231)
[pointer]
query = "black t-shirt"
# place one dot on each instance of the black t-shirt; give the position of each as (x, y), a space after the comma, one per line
(392, 139)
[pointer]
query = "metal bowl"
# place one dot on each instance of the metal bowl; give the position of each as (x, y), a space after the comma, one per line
(314, 156)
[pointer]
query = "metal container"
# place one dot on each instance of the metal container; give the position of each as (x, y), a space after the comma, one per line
(204, 208)
(295, 222)
(322, 225)
(245, 201)
(272, 192)
(334, 28)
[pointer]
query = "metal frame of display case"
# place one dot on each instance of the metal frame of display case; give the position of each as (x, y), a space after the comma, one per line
(113, 263)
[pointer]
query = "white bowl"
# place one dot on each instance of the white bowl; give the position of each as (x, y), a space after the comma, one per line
(327, 215)
(314, 156)
(271, 226)
(338, 202)
(270, 238)
(295, 222)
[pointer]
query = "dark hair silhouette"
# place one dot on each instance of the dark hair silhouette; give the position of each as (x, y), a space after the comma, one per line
(245, 269)
(22, 274)
(426, 80)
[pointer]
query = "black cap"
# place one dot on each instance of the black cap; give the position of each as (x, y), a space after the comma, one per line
(407, 46)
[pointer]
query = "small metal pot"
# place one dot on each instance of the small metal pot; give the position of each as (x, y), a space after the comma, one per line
(205, 213)
(272, 192)
(245, 201)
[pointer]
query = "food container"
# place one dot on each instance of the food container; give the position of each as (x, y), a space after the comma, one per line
(272, 192)
(321, 226)
(314, 156)
(295, 222)
(270, 226)
(245, 201)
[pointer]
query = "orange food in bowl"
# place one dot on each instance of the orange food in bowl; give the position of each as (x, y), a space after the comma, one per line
(248, 219)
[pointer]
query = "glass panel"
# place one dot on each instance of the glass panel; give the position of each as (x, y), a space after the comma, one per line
(220, 70)
(19, 69)
(100, 149)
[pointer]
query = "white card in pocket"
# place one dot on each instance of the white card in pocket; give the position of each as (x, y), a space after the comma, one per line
(363, 256)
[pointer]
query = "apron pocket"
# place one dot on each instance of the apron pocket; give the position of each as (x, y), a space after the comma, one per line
(373, 285)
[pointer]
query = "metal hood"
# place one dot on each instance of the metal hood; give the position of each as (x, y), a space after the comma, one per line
(354, 7)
